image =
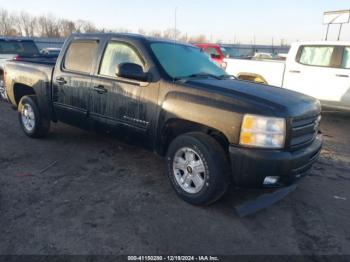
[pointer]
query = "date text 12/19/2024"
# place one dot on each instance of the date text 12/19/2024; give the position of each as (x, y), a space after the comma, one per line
(173, 258)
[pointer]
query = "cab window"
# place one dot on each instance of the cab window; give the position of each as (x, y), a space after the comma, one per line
(346, 58)
(316, 55)
(116, 54)
(212, 52)
(80, 56)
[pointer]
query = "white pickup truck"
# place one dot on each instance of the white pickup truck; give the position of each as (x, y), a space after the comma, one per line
(318, 69)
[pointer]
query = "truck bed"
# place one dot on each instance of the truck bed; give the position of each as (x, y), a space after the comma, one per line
(271, 70)
(34, 73)
(43, 60)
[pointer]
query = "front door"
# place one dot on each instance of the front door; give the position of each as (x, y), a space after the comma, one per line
(117, 101)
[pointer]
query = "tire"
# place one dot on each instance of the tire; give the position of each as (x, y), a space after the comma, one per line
(33, 123)
(3, 95)
(198, 169)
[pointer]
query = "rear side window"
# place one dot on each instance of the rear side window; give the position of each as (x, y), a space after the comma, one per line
(116, 54)
(316, 55)
(80, 56)
(17, 47)
(346, 58)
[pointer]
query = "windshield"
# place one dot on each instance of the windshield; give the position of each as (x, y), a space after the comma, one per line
(181, 61)
(14, 47)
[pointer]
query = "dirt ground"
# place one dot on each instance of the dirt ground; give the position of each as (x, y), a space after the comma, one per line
(101, 196)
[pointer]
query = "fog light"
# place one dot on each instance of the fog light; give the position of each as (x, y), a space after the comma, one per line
(271, 180)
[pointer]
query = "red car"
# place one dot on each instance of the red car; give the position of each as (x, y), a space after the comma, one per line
(214, 51)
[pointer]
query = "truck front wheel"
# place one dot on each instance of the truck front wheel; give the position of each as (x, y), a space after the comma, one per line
(33, 123)
(198, 168)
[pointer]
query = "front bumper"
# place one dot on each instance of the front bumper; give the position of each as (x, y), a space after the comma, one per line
(250, 167)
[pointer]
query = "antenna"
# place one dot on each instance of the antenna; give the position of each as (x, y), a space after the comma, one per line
(175, 31)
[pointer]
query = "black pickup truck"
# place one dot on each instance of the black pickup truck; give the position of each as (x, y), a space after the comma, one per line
(212, 130)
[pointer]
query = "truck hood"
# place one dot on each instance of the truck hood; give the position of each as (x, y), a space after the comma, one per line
(259, 99)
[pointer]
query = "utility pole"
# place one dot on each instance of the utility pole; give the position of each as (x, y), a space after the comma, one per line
(341, 26)
(327, 32)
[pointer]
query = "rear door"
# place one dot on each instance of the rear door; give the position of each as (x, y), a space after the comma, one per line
(311, 72)
(315, 72)
(322, 72)
(72, 81)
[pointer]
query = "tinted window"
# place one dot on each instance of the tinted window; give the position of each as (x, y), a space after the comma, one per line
(316, 55)
(116, 54)
(233, 52)
(212, 51)
(24, 48)
(80, 56)
(182, 61)
(346, 58)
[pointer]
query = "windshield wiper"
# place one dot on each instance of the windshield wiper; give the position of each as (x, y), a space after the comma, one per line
(199, 75)
(227, 77)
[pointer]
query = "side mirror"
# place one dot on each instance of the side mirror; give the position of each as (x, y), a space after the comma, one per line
(132, 71)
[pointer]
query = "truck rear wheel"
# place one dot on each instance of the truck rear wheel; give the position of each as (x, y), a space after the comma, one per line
(198, 169)
(32, 121)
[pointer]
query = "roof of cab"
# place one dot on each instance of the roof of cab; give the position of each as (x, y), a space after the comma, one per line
(323, 43)
(130, 36)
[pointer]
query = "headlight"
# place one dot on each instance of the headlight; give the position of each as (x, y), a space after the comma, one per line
(263, 132)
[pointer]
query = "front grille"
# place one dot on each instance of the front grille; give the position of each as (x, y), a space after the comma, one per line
(304, 131)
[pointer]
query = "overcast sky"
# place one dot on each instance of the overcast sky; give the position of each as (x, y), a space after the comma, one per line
(226, 20)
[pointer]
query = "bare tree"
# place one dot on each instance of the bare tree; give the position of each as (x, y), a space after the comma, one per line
(17, 24)
(198, 39)
(142, 31)
(48, 26)
(122, 30)
(26, 24)
(172, 33)
(6, 23)
(83, 26)
(156, 33)
(67, 27)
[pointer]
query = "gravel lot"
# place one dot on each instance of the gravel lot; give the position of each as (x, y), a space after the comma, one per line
(102, 196)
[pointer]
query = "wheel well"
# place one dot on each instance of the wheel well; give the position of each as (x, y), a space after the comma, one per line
(20, 90)
(2, 75)
(176, 127)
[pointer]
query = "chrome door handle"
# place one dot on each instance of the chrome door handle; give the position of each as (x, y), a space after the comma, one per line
(100, 89)
(294, 71)
(61, 81)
